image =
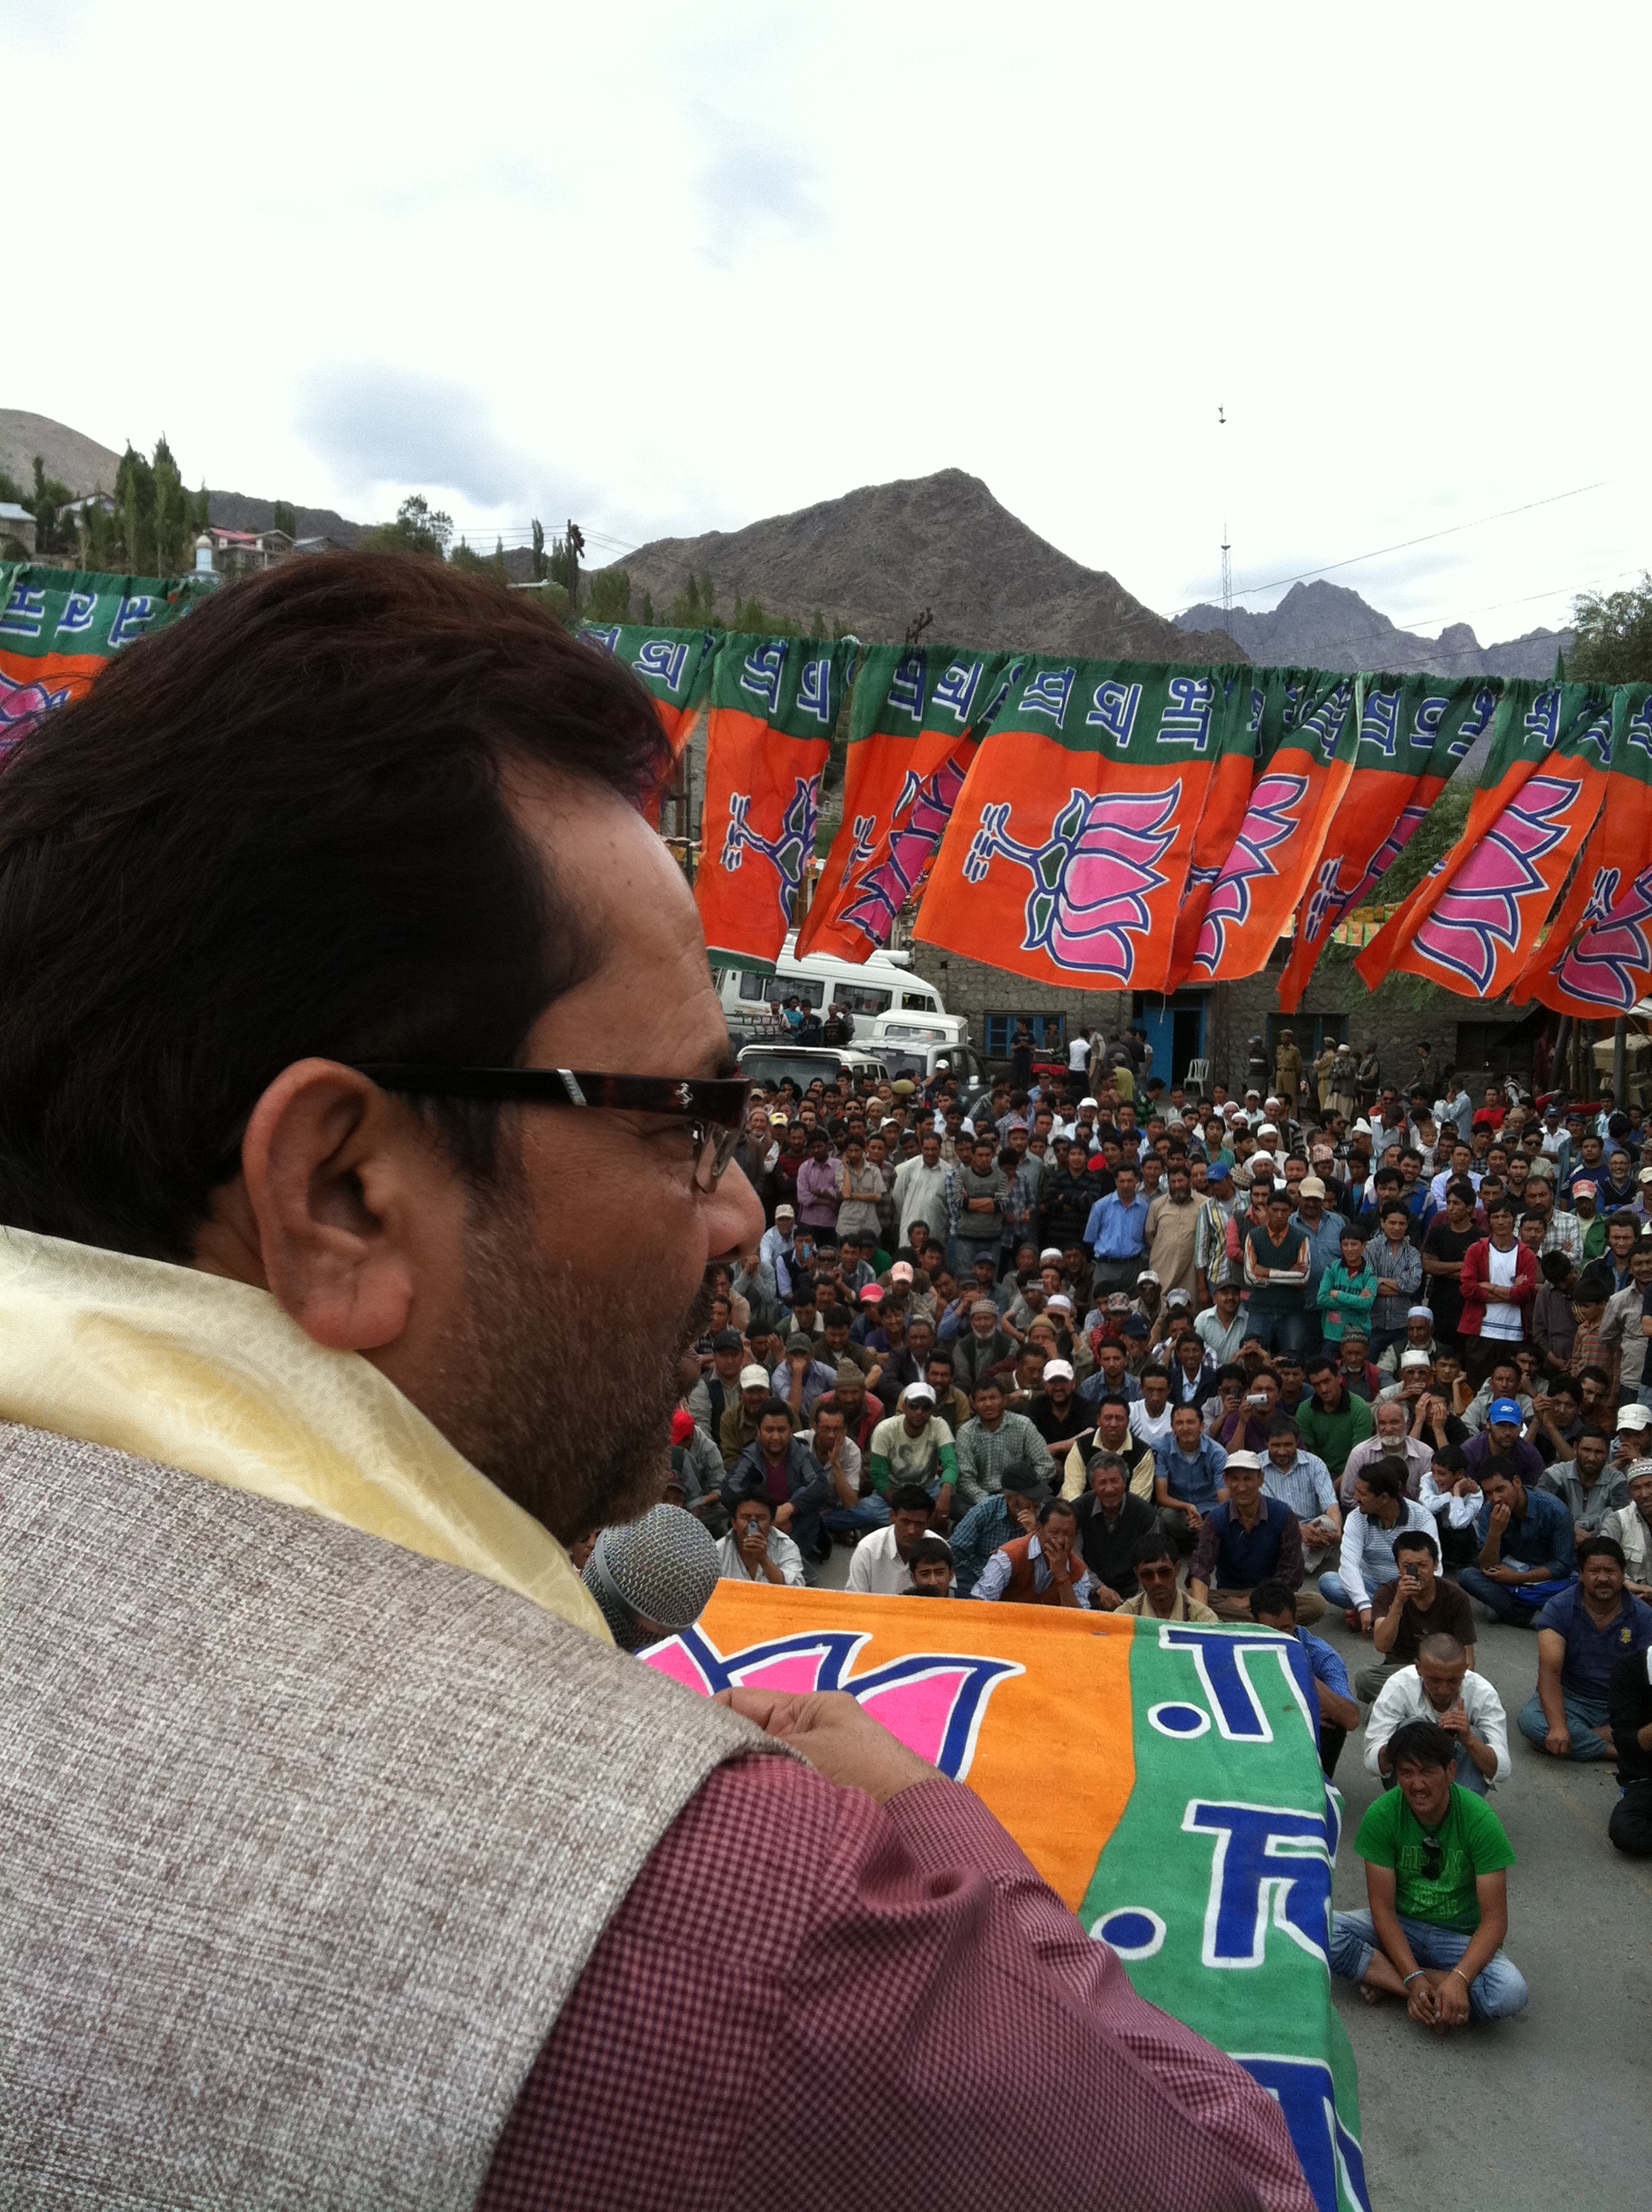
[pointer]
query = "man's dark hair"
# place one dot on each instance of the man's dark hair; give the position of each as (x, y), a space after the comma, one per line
(275, 830)
(1460, 1188)
(1113, 1398)
(1283, 1425)
(1421, 1743)
(909, 1498)
(1154, 1368)
(774, 1406)
(929, 1551)
(839, 1317)
(1152, 1548)
(1417, 1540)
(1272, 1597)
(803, 1291)
(1052, 1506)
(1386, 1478)
(1594, 1285)
(1319, 1365)
(939, 1355)
(1592, 1428)
(1555, 1268)
(1601, 1547)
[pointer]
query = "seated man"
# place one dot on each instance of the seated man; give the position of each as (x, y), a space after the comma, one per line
(1158, 1597)
(1188, 1477)
(1111, 1433)
(1417, 1603)
(932, 1567)
(1628, 1715)
(738, 1429)
(781, 1467)
(1380, 1511)
(1581, 1633)
(992, 1440)
(1393, 1440)
(1435, 1877)
(1273, 1606)
(1045, 1568)
(1055, 1412)
(756, 1551)
(951, 1405)
(1333, 1418)
(914, 1446)
(1630, 1527)
(882, 1566)
(1442, 1689)
(831, 1444)
(1528, 1551)
(1247, 1539)
(1111, 1524)
(1303, 1482)
(1014, 1511)
(1150, 1418)
(984, 1348)
(1587, 1484)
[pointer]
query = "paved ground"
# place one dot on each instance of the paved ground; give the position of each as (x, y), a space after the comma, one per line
(1555, 2104)
(1566, 2084)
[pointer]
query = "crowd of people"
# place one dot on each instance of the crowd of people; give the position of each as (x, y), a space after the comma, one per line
(1084, 1339)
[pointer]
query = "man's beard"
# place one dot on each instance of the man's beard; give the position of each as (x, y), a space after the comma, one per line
(562, 1393)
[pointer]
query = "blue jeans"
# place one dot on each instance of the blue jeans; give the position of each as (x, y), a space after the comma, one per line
(872, 1512)
(1279, 1332)
(1500, 1599)
(1583, 1716)
(1331, 1591)
(1496, 1993)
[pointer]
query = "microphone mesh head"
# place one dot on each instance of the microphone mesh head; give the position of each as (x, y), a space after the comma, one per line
(661, 1570)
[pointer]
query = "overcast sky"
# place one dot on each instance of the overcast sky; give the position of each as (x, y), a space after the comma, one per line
(671, 269)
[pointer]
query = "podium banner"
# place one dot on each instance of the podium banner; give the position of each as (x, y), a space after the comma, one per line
(1162, 1777)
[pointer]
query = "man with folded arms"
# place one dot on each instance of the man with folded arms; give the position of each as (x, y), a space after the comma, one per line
(350, 1017)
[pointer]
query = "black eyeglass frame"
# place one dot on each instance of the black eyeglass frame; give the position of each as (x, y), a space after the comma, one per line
(714, 1107)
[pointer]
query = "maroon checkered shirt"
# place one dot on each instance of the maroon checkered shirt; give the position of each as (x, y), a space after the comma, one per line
(809, 2000)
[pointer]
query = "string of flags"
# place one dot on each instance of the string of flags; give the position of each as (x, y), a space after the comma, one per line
(1100, 824)
(1129, 825)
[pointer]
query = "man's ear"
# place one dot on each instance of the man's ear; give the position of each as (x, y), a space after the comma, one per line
(344, 1188)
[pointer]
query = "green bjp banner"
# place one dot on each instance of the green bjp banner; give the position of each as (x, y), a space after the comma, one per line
(58, 627)
(1162, 1777)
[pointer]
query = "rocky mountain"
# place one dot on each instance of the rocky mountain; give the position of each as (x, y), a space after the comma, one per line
(875, 558)
(237, 510)
(80, 462)
(1321, 625)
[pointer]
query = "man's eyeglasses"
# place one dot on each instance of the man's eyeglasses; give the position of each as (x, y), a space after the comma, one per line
(713, 1107)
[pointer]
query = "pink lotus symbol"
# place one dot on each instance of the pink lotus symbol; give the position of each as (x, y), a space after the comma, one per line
(1481, 909)
(1609, 963)
(920, 813)
(1092, 879)
(1271, 819)
(22, 706)
(934, 1701)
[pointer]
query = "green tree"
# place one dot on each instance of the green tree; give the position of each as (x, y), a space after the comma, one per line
(285, 518)
(11, 492)
(419, 529)
(202, 508)
(563, 568)
(45, 501)
(611, 596)
(539, 570)
(1614, 635)
(173, 513)
(648, 606)
(694, 606)
(135, 513)
(1438, 831)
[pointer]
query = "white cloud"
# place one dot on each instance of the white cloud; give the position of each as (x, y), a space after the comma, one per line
(677, 270)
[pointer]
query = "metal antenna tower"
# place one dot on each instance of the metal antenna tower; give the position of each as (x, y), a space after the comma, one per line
(1227, 549)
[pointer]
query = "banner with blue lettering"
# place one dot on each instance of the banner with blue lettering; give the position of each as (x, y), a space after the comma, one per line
(1164, 1778)
(58, 627)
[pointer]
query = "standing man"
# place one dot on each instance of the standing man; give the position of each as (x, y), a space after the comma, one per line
(920, 1192)
(976, 1192)
(1115, 1233)
(1436, 1876)
(1171, 1227)
(1277, 1264)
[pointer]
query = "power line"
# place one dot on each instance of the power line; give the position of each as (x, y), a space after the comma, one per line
(1249, 591)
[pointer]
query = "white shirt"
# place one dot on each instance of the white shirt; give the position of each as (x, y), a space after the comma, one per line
(877, 1567)
(783, 1553)
(1403, 1698)
(1150, 1428)
(1501, 1322)
(1078, 1054)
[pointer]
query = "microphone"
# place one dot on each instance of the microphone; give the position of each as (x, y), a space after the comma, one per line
(653, 1577)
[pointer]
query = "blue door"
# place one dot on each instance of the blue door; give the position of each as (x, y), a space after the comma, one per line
(1176, 1029)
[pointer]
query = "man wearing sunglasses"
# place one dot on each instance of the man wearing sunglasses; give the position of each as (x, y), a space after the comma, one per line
(350, 1017)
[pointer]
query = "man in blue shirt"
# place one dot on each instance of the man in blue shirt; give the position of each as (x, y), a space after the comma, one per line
(1189, 1468)
(1527, 1550)
(1581, 1636)
(997, 1521)
(1271, 1606)
(1114, 1233)
(1246, 1540)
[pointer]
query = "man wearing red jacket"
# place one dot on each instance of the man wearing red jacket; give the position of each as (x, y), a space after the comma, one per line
(350, 1016)
(1500, 1279)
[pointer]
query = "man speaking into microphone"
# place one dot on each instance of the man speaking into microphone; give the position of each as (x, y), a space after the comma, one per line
(351, 1017)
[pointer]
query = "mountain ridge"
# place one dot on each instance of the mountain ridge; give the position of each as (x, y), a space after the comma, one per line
(1321, 625)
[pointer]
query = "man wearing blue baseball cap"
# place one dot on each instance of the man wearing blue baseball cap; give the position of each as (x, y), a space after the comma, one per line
(1502, 1442)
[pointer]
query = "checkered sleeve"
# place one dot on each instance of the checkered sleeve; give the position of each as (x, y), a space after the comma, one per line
(809, 2002)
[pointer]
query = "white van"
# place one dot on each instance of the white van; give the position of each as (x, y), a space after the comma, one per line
(864, 990)
(915, 1045)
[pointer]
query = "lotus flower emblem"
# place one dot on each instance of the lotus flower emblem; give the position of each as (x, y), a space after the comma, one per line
(1091, 879)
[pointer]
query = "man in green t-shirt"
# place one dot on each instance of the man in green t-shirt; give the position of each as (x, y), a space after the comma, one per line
(1435, 1856)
